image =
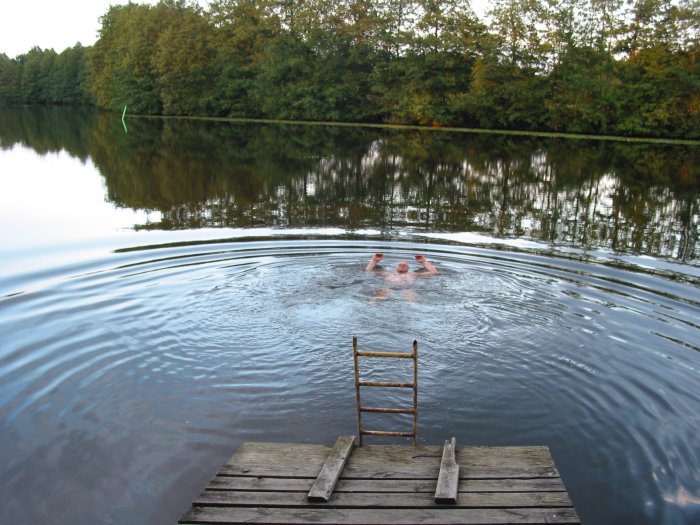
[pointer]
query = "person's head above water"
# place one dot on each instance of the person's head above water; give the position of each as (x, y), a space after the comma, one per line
(402, 267)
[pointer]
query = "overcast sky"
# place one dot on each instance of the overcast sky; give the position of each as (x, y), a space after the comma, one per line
(59, 24)
(56, 24)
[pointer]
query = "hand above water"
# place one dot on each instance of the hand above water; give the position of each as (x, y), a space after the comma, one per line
(375, 260)
(427, 265)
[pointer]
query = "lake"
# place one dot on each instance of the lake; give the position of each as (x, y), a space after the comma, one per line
(172, 289)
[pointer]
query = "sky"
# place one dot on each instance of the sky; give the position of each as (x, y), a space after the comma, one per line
(59, 24)
(56, 24)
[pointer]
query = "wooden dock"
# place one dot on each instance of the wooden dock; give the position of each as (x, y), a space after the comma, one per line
(384, 484)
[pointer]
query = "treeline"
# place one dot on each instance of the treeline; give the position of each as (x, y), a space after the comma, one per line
(45, 77)
(585, 66)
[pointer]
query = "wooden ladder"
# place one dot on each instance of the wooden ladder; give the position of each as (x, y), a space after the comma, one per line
(386, 384)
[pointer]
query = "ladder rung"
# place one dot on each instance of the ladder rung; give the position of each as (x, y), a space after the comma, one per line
(386, 354)
(388, 410)
(385, 433)
(385, 384)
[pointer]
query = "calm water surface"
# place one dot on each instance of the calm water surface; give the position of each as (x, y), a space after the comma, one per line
(171, 292)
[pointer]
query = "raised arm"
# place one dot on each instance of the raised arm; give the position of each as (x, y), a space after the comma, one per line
(427, 265)
(375, 260)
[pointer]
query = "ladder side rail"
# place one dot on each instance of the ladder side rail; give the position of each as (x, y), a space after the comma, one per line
(415, 391)
(357, 389)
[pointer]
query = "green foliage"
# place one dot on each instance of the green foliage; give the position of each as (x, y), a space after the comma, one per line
(69, 77)
(9, 76)
(121, 63)
(586, 66)
(242, 32)
(183, 59)
(44, 77)
(584, 91)
(657, 102)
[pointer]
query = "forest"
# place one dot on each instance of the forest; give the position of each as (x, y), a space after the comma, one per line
(609, 67)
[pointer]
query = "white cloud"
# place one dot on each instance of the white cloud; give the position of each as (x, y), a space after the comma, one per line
(56, 24)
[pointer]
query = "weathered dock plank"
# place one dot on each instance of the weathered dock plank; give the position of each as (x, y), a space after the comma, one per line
(390, 461)
(330, 472)
(383, 484)
(386, 485)
(448, 478)
(441, 516)
(384, 499)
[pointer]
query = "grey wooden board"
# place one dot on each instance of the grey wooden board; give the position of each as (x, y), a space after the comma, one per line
(385, 485)
(298, 454)
(331, 470)
(386, 499)
(391, 471)
(437, 516)
(390, 461)
(448, 478)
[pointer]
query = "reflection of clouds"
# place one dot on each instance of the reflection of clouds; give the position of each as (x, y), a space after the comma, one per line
(478, 238)
(682, 498)
(53, 199)
(310, 189)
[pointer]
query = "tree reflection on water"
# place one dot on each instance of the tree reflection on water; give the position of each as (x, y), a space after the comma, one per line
(627, 197)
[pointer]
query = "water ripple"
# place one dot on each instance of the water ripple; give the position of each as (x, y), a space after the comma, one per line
(156, 363)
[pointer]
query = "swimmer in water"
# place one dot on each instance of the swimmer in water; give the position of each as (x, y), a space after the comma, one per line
(402, 267)
(401, 276)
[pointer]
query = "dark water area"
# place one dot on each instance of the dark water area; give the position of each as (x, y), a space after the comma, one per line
(173, 291)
